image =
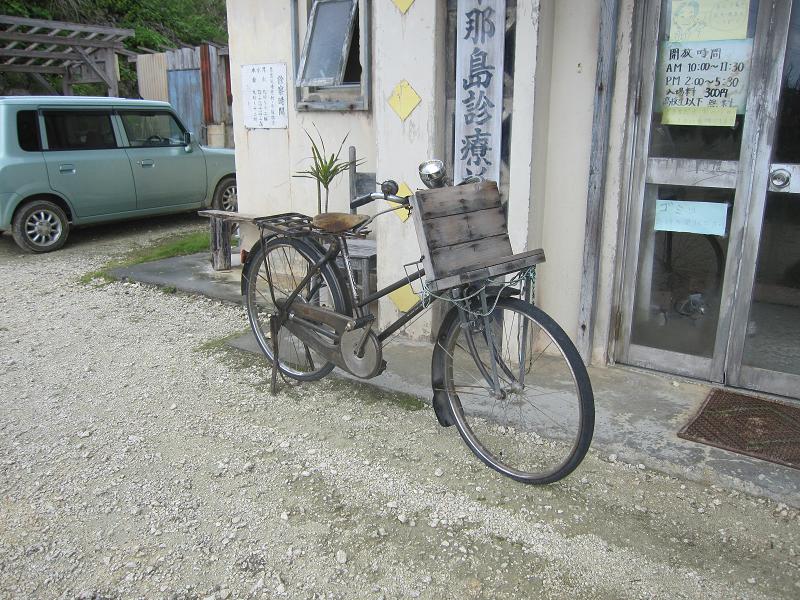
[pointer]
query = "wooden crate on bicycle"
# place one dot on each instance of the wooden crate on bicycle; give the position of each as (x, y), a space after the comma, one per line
(463, 234)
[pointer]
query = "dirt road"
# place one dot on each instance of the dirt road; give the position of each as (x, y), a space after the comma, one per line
(141, 458)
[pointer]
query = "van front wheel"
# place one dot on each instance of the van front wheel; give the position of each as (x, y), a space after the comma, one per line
(40, 226)
(226, 196)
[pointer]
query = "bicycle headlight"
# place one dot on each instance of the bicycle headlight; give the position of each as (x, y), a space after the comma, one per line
(432, 173)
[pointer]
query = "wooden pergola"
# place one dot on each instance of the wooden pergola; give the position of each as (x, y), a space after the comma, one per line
(77, 53)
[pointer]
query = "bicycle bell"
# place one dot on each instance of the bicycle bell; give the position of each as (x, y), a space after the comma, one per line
(432, 173)
(389, 188)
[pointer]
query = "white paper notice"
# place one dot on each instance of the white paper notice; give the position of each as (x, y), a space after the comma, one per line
(264, 96)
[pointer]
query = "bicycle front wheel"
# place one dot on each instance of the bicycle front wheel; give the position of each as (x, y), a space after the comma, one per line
(288, 260)
(529, 413)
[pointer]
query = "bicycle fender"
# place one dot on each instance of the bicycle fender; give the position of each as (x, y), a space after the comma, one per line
(441, 405)
(250, 256)
(493, 291)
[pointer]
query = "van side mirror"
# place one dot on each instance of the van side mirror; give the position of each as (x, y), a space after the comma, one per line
(187, 140)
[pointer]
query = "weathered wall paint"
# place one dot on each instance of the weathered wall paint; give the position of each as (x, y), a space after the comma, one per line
(574, 61)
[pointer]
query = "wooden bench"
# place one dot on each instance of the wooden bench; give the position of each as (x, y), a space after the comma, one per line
(222, 222)
(463, 233)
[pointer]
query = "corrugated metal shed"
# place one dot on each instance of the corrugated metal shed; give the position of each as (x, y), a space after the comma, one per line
(151, 70)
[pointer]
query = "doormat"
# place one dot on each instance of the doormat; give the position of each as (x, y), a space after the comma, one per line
(748, 425)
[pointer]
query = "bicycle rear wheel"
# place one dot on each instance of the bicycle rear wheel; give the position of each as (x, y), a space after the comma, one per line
(537, 427)
(289, 259)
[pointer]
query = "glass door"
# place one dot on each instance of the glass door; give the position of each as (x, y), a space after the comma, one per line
(703, 138)
(694, 125)
(764, 350)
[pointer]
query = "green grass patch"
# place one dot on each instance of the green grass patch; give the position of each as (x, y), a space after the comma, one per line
(190, 243)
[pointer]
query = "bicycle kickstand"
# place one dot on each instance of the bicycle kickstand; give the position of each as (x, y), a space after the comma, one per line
(273, 332)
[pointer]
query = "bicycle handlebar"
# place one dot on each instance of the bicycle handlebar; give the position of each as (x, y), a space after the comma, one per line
(367, 198)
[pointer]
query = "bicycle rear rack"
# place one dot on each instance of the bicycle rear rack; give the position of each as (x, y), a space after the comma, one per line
(288, 224)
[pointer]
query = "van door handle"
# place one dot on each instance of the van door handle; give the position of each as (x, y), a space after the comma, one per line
(67, 169)
(147, 162)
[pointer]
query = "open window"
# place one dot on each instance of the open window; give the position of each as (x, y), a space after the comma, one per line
(332, 67)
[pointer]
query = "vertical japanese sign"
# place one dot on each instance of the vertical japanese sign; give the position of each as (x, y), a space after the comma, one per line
(264, 96)
(479, 88)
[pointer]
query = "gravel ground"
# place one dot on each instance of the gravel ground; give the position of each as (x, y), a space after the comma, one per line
(142, 458)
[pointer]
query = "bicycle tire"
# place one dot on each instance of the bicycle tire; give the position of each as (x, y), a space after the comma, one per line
(528, 445)
(295, 255)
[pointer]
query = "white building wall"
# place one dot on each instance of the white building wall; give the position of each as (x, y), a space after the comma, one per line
(267, 159)
(408, 47)
(569, 136)
(555, 64)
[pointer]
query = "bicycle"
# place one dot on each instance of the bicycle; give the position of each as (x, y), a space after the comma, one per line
(503, 372)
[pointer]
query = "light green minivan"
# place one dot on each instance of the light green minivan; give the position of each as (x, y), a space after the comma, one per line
(70, 161)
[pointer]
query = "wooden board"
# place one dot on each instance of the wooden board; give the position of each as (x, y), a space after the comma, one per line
(456, 200)
(457, 229)
(508, 264)
(462, 257)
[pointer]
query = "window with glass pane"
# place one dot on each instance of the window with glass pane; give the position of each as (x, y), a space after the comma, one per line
(28, 131)
(330, 57)
(152, 129)
(79, 130)
(702, 76)
(683, 251)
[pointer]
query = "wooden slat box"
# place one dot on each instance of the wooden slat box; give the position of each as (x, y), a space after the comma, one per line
(463, 233)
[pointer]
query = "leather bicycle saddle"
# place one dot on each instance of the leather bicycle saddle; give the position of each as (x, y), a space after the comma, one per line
(338, 222)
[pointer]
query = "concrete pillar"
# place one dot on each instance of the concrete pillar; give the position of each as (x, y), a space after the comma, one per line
(531, 71)
(409, 48)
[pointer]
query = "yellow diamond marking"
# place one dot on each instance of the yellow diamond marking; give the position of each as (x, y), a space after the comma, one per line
(404, 99)
(404, 298)
(403, 5)
(404, 192)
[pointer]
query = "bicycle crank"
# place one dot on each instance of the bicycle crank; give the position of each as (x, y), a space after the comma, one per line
(370, 362)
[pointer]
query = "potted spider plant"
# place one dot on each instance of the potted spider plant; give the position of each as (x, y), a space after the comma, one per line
(324, 168)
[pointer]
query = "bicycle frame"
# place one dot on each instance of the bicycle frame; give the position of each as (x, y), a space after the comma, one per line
(303, 319)
(483, 353)
(359, 305)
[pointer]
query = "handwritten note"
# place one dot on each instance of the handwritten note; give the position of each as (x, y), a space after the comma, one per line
(264, 96)
(708, 218)
(697, 83)
(703, 20)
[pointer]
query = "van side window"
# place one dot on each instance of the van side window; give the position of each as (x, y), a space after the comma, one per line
(151, 128)
(79, 130)
(28, 131)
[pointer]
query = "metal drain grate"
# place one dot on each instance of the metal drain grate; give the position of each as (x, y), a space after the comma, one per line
(748, 425)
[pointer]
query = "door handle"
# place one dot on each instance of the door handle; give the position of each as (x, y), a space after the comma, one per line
(780, 178)
(147, 162)
(66, 169)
